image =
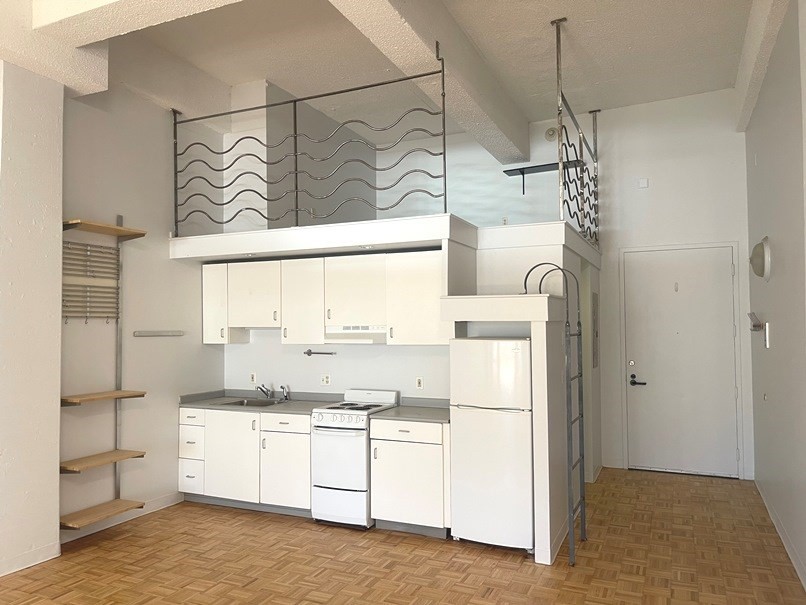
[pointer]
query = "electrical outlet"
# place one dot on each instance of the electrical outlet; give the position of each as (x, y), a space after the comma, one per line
(418, 382)
(505, 220)
(252, 377)
(324, 380)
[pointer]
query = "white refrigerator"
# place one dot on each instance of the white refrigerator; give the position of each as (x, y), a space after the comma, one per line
(491, 441)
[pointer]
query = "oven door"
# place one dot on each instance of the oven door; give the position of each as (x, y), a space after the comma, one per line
(340, 458)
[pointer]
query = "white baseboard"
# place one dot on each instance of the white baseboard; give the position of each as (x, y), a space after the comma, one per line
(68, 535)
(596, 474)
(794, 556)
(32, 557)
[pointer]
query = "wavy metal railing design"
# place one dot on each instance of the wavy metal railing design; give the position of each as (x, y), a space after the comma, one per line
(579, 188)
(200, 179)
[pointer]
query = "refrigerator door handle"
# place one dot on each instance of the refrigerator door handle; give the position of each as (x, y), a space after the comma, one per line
(474, 407)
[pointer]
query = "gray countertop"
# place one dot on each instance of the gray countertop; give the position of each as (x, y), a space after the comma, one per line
(414, 413)
(286, 407)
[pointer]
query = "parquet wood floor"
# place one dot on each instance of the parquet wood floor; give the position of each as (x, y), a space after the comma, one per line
(653, 538)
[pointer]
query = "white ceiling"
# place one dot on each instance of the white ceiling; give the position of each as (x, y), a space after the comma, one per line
(616, 52)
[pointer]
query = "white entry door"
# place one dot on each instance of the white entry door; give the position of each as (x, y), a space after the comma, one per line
(681, 370)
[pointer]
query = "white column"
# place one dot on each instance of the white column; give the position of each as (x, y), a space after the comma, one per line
(30, 300)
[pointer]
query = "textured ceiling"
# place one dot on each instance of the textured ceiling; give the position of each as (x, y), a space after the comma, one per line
(616, 52)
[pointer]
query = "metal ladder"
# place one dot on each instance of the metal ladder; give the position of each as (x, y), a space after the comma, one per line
(574, 506)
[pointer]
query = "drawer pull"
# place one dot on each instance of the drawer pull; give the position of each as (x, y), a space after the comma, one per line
(190, 442)
(284, 423)
(190, 476)
(403, 431)
(191, 416)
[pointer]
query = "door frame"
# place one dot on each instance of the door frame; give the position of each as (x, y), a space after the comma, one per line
(737, 358)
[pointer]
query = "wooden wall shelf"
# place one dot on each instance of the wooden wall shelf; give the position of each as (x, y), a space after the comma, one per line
(122, 233)
(82, 464)
(71, 400)
(94, 514)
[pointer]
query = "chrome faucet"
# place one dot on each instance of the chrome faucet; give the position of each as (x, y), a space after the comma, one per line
(286, 391)
(266, 391)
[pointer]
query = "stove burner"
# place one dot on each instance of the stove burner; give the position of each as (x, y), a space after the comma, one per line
(364, 408)
(333, 407)
(347, 405)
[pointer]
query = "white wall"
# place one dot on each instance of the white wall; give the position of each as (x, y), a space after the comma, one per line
(776, 209)
(30, 283)
(118, 160)
(694, 159)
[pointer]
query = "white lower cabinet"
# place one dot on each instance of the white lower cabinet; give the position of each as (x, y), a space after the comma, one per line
(285, 469)
(232, 455)
(407, 480)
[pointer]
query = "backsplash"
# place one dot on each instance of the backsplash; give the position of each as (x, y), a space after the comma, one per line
(353, 366)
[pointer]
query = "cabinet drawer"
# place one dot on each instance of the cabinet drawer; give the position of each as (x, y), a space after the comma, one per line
(191, 442)
(191, 416)
(286, 423)
(191, 476)
(404, 430)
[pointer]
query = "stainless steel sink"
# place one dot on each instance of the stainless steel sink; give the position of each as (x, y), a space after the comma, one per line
(254, 402)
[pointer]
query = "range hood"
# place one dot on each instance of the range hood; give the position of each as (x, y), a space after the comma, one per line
(355, 334)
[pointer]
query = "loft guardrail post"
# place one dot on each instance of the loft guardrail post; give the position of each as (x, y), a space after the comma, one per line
(441, 60)
(175, 113)
(296, 166)
(560, 163)
(594, 118)
(581, 221)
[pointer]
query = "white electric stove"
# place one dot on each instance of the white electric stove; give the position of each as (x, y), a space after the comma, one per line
(340, 456)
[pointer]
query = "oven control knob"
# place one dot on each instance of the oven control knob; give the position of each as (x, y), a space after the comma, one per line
(349, 418)
(341, 417)
(319, 416)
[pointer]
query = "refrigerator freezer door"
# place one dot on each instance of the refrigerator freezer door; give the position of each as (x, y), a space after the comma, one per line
(491, 373)
(491, 477)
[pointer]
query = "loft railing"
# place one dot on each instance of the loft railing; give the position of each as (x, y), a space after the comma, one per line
(578, 174)
(265, 179)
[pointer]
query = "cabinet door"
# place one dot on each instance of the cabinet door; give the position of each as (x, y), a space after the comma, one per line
(214, 304)
(406, 484)
(253, 294)
(285, 469)
(355, 290)
(303, 301)
(215, 326)
(232, 455)
(414, 285)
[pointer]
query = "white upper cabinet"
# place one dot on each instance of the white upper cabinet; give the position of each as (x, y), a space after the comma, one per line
(215, 326)
(303, 301)
(355, 290)
(414, 283)
(254, 294)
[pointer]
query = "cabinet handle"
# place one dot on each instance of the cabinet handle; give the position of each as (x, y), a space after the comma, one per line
(275, 316)
(283, 423)
(263, 443)
(285, 332)
(391, 332)
(375, 453)
(254, 424)
(190, 442)
(222, 332)
(191, 416)
(328, 313)
(403, 431)
(190, 476)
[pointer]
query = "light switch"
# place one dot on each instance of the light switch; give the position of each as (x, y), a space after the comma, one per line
(643, 183)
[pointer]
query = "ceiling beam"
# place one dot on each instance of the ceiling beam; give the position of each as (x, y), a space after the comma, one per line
(81, 70)
(406, 31)
(165, 79)
(84, 22)
(766, 17)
